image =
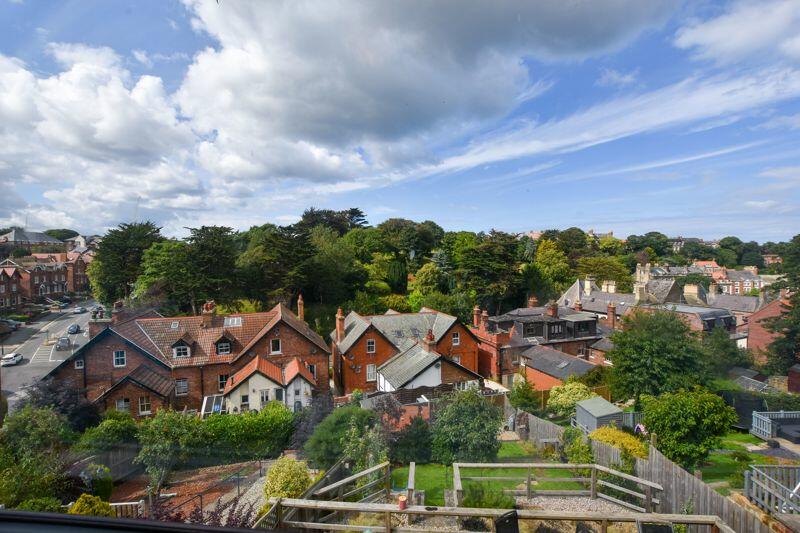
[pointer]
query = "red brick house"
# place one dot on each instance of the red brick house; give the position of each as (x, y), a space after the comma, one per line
(76, 265)
(759, 337)
(39, 282)
(361, 344)
(129, 357)
(10, 288)
(546, 368)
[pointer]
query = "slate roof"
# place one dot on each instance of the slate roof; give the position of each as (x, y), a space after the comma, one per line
(408, 364)
(735, 302)
(280, 376)
(20, 236)
(554, 363)
(604, 345)
(598, 406)
(401, 329)
(741, 275)
(704, 313)
(597, 301)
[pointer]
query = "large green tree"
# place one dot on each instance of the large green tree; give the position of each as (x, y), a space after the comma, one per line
(656, 352)
(213, 251)
(169, 276)
(466, 429)
(62, 234)
(490, 269)
(118, 259)
(606, 268)
(334, 273)
(784, 351)
(339, 221)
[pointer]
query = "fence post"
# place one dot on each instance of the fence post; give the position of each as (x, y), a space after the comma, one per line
(747, 485)
(278, 515)
(388, 519)
(387, 480)
(528, 485)
(594, 483)
(648, 498)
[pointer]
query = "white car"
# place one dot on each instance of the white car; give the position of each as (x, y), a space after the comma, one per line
(11, 359)
(78, 310)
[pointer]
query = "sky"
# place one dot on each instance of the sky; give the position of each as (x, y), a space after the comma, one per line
(620, 115)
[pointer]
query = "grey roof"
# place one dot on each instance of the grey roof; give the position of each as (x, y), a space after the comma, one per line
(597, 301)
(407, 365)
(735, 302)
(666, 271)
(741, 275)
(555, 363)
(603, 344)
(702, 312)
(401, 329)
(659, 289)
(579, 316)
(598, 406)
(21, 236)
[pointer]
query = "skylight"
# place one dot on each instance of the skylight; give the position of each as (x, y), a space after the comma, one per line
(174, 324)
(233, 321)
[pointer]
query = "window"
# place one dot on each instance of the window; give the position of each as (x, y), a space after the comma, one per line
(245, 402)
(556, 329)
(181, 387)
(533, 330)
(144, 405)
(279, 395)
(14, 287)
(313, 370)
(180, 351)
(223, 348)
(232, 321)
(264, 397)
(275, 346)
(221, 380)
(370, 345)
(457, 359)
(119, 358)
(78, 363)
(2, 288)
(456, 338)
(123, 404)
(371, 373)
(174, 324)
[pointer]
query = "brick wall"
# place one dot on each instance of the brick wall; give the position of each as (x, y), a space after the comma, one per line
(293, 344)
(357, 356)
(540, 380)
(133, 393)
(454, 374)
(467, 348)
(758, 336)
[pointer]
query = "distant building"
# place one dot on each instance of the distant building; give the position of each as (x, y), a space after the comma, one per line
(38, 282)
(546, 368)
(759, 336)
(740, 281)
(20, 238)
(772, 259)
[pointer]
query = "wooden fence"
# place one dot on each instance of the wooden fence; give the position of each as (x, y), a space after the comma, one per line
(682, 491)
(773, 488)
(119, 462)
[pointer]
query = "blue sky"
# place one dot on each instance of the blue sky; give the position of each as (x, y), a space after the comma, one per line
(627, 116)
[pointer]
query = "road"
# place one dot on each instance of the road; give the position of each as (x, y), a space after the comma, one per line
(38, 356)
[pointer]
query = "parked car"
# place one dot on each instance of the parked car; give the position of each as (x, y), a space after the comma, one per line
(13, 324)
(11, 359)
(78, 310)
(73, 329)
(63, 343)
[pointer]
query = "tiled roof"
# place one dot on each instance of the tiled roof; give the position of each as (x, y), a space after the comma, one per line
(281, 376)
(20, 236)
(145, 378)
(741, 275)
(555, 363)
(401, 329)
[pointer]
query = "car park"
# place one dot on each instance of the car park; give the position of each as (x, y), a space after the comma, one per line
(11, 359)
(73, 329)
(63, 343)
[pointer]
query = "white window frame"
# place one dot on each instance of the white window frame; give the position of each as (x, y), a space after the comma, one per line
(182, 381)
(457, 359)
(263, 396)
(232, 321)
(372, 370)
(123, 355)
(227, 351)
(272, 349)
(79, 364)
(123, 401)
(221, 383)
(370, 345)
(149, 409)
(181, 355)
(456, 338)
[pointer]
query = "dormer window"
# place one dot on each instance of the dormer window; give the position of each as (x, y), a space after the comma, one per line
(232, 321)
(223, 347)
(181, 351)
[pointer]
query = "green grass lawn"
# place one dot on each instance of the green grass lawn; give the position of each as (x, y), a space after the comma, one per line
(435, 478)
(722, 467)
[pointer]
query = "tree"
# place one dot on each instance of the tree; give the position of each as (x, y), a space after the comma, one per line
(722, 352)
(656, 241)
(611, 245)
(550, 273)
(490, 268)
(365, 447)
(34, 430)
(339, 221)
(310, 417)
(212, 253)
(726, 258)
(412, 443)
(61, 234)
(117, 430)
(563, 398)
(523, 395)
(325, 446)
(118, 259)
(606, 268)
(169, 276)
(69, 402)
(656, 352)
(286, 478)
(459, 303)
(466, 429)
(365, 242)
(336, 273)
(429, 278)
(688, 424)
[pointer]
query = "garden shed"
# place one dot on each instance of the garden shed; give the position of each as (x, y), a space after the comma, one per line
(597, 412)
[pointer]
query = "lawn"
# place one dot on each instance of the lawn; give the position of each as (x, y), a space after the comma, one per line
(435, 478)
(722, 467)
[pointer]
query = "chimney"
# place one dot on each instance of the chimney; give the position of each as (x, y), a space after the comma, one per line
(98, 324)
(485, 320)
(476, 316)
(611, 311)
(587, 285)
(116, 310)
(612, 286)
(533, 301)
(300, 307)
(339, 325)
(552, 309)
(578, 305)
(208, 313)
(429, 343)
(639, 293)
(712, 288)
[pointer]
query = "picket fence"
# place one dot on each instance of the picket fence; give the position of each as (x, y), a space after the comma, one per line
(683, 492)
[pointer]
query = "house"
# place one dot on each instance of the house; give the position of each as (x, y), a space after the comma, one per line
(10, 288)
(698, 318)
(261, 381)
(20, 238)
(741, 281)
(76, 264)
(39, 282)
(707, 266)
(772, 259)
(196, 354)
(504, 338)
(759, 336)
(361, 344)
(597, 412)
(546, 368)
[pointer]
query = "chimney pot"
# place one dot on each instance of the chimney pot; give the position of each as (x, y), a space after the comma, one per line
(476, 316)
(339, 325)
(552, 309)
(300, 307)
(578, 305)
(428, 343)
(208, 313)
(533, 301)
(485, 320)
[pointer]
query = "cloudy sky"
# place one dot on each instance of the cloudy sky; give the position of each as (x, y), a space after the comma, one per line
(616, 115)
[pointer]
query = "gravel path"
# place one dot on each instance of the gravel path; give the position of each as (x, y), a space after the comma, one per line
(255, 494)
(576, 504)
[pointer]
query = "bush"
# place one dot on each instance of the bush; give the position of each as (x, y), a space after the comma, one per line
(286, 478)
(466, 429)
(412, 443)
(35, 429)
(523, 395)
(579, 452)
(251, 435)
(88, 505)
(478, 496)
(115, 431)
(564, 397)
(97, 478)
(25, 475)
(41, 505)
(325, 447)
(620, 439)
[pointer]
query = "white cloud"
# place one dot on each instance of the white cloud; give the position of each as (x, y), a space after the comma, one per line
(614, 78)
(142, 57)
(747, 29)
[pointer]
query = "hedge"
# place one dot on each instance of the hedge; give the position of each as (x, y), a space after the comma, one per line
(620, 439)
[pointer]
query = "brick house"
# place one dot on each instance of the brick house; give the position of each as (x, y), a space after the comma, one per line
(504, 338)
(39, 282)
(10, 288)
(698, 318)
(261, 381)
(546, 368)
(76, 265)
(772, 259)
(360, 344)
(759, 337)
(129, 354)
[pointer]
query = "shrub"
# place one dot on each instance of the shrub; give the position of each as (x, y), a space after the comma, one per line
(88, 505)
(523, 395)
(97, 478)
(620, 439)
(252, 435)
(579, 452)
(37, 429)
(466, 429)
(41, 505)
(27, 475)
(412, 443)
(478, 496)
(115, 431)
(366, 447)
(287, 478)
(564, 397)
(325, 447)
